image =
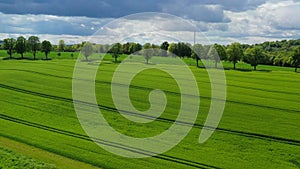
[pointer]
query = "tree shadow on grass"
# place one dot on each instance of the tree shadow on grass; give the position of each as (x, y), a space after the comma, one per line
(237, 69)
(25, 58)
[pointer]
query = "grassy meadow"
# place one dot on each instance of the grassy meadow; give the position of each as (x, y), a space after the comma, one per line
(259, 129)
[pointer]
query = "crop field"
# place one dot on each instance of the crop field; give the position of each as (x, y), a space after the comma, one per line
(260, 127)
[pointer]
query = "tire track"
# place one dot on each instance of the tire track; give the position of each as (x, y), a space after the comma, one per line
(175, 93)
(111, 109)
(107, 143)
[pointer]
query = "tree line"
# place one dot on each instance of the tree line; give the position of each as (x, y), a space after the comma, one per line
(279, 53)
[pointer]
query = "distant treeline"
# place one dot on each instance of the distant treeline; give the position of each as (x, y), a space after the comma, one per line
(279, 53)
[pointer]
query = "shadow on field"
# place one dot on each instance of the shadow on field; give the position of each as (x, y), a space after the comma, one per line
(25, 58)
(237, 69)
(295, 162)
(248, 70)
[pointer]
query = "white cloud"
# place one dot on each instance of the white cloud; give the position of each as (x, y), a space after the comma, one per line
(272, 20)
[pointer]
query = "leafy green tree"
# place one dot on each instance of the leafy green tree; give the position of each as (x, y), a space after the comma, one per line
(87, 50)
(61, 46)
(147, 52)
(125, 48)
(21, 46)
(135, 47)
(46, 48)
(116, 50)
(172, 49)
(34, 45)
(217, 53)
(198, 53)
(183, 50)
(234, 53)
(9, 45)
(295, 58)
(164, 48)
(253, 56)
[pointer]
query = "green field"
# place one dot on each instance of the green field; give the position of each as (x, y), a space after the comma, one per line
(260, 127)
(10, 159)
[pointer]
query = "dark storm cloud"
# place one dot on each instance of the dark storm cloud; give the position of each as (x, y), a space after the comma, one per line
(192, 9)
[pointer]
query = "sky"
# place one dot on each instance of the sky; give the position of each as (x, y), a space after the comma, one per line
(219, 21)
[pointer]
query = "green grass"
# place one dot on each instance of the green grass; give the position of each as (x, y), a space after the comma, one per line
(11, 159)
(259, 129)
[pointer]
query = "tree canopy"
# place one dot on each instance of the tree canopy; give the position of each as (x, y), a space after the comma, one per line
(235, 53)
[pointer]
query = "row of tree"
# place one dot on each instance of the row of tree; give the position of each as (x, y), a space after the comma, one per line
(282, 53)
(22, 45)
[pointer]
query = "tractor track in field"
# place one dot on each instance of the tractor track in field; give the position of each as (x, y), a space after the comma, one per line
(99, 81)
(175, 93)
(111, 109)
(107, 143)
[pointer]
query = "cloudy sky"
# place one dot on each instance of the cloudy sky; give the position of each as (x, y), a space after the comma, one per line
(220, 21)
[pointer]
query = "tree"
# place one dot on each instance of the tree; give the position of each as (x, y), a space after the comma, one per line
(46, 48)
(87, 50)
(198, 53)
(147, 52)
(125, 48)
(183, 49)
(234, 53)
(34, 44)
(253, 56)
(172, 49)
(21, 45)
(135, 47)
(9, 45)
(116, 50)
(164, 48)
(295, 58)
(61, 46)
(217, 53)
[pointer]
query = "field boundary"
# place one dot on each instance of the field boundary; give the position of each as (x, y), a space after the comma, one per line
(43, 155)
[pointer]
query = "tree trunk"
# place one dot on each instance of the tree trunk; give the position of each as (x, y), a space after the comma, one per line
(234, 66)
(22, 55)
(216, 64)
(197, 60)
(296, 67)
(34, 56)
(115, 59)
(10, 54)
(254, 67)
(147, 60)
(86, 58)
(46, 56)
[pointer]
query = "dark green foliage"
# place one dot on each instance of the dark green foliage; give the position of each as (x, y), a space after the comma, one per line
(21, 46)
(9, 159)
(253, 56)
(164, 48)
(217, 53)
(61, 46)
(34, 45)
(46, 48)
(295, 58)
(116, 50)
(234, 53)
(180, 49)
(9, 45)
